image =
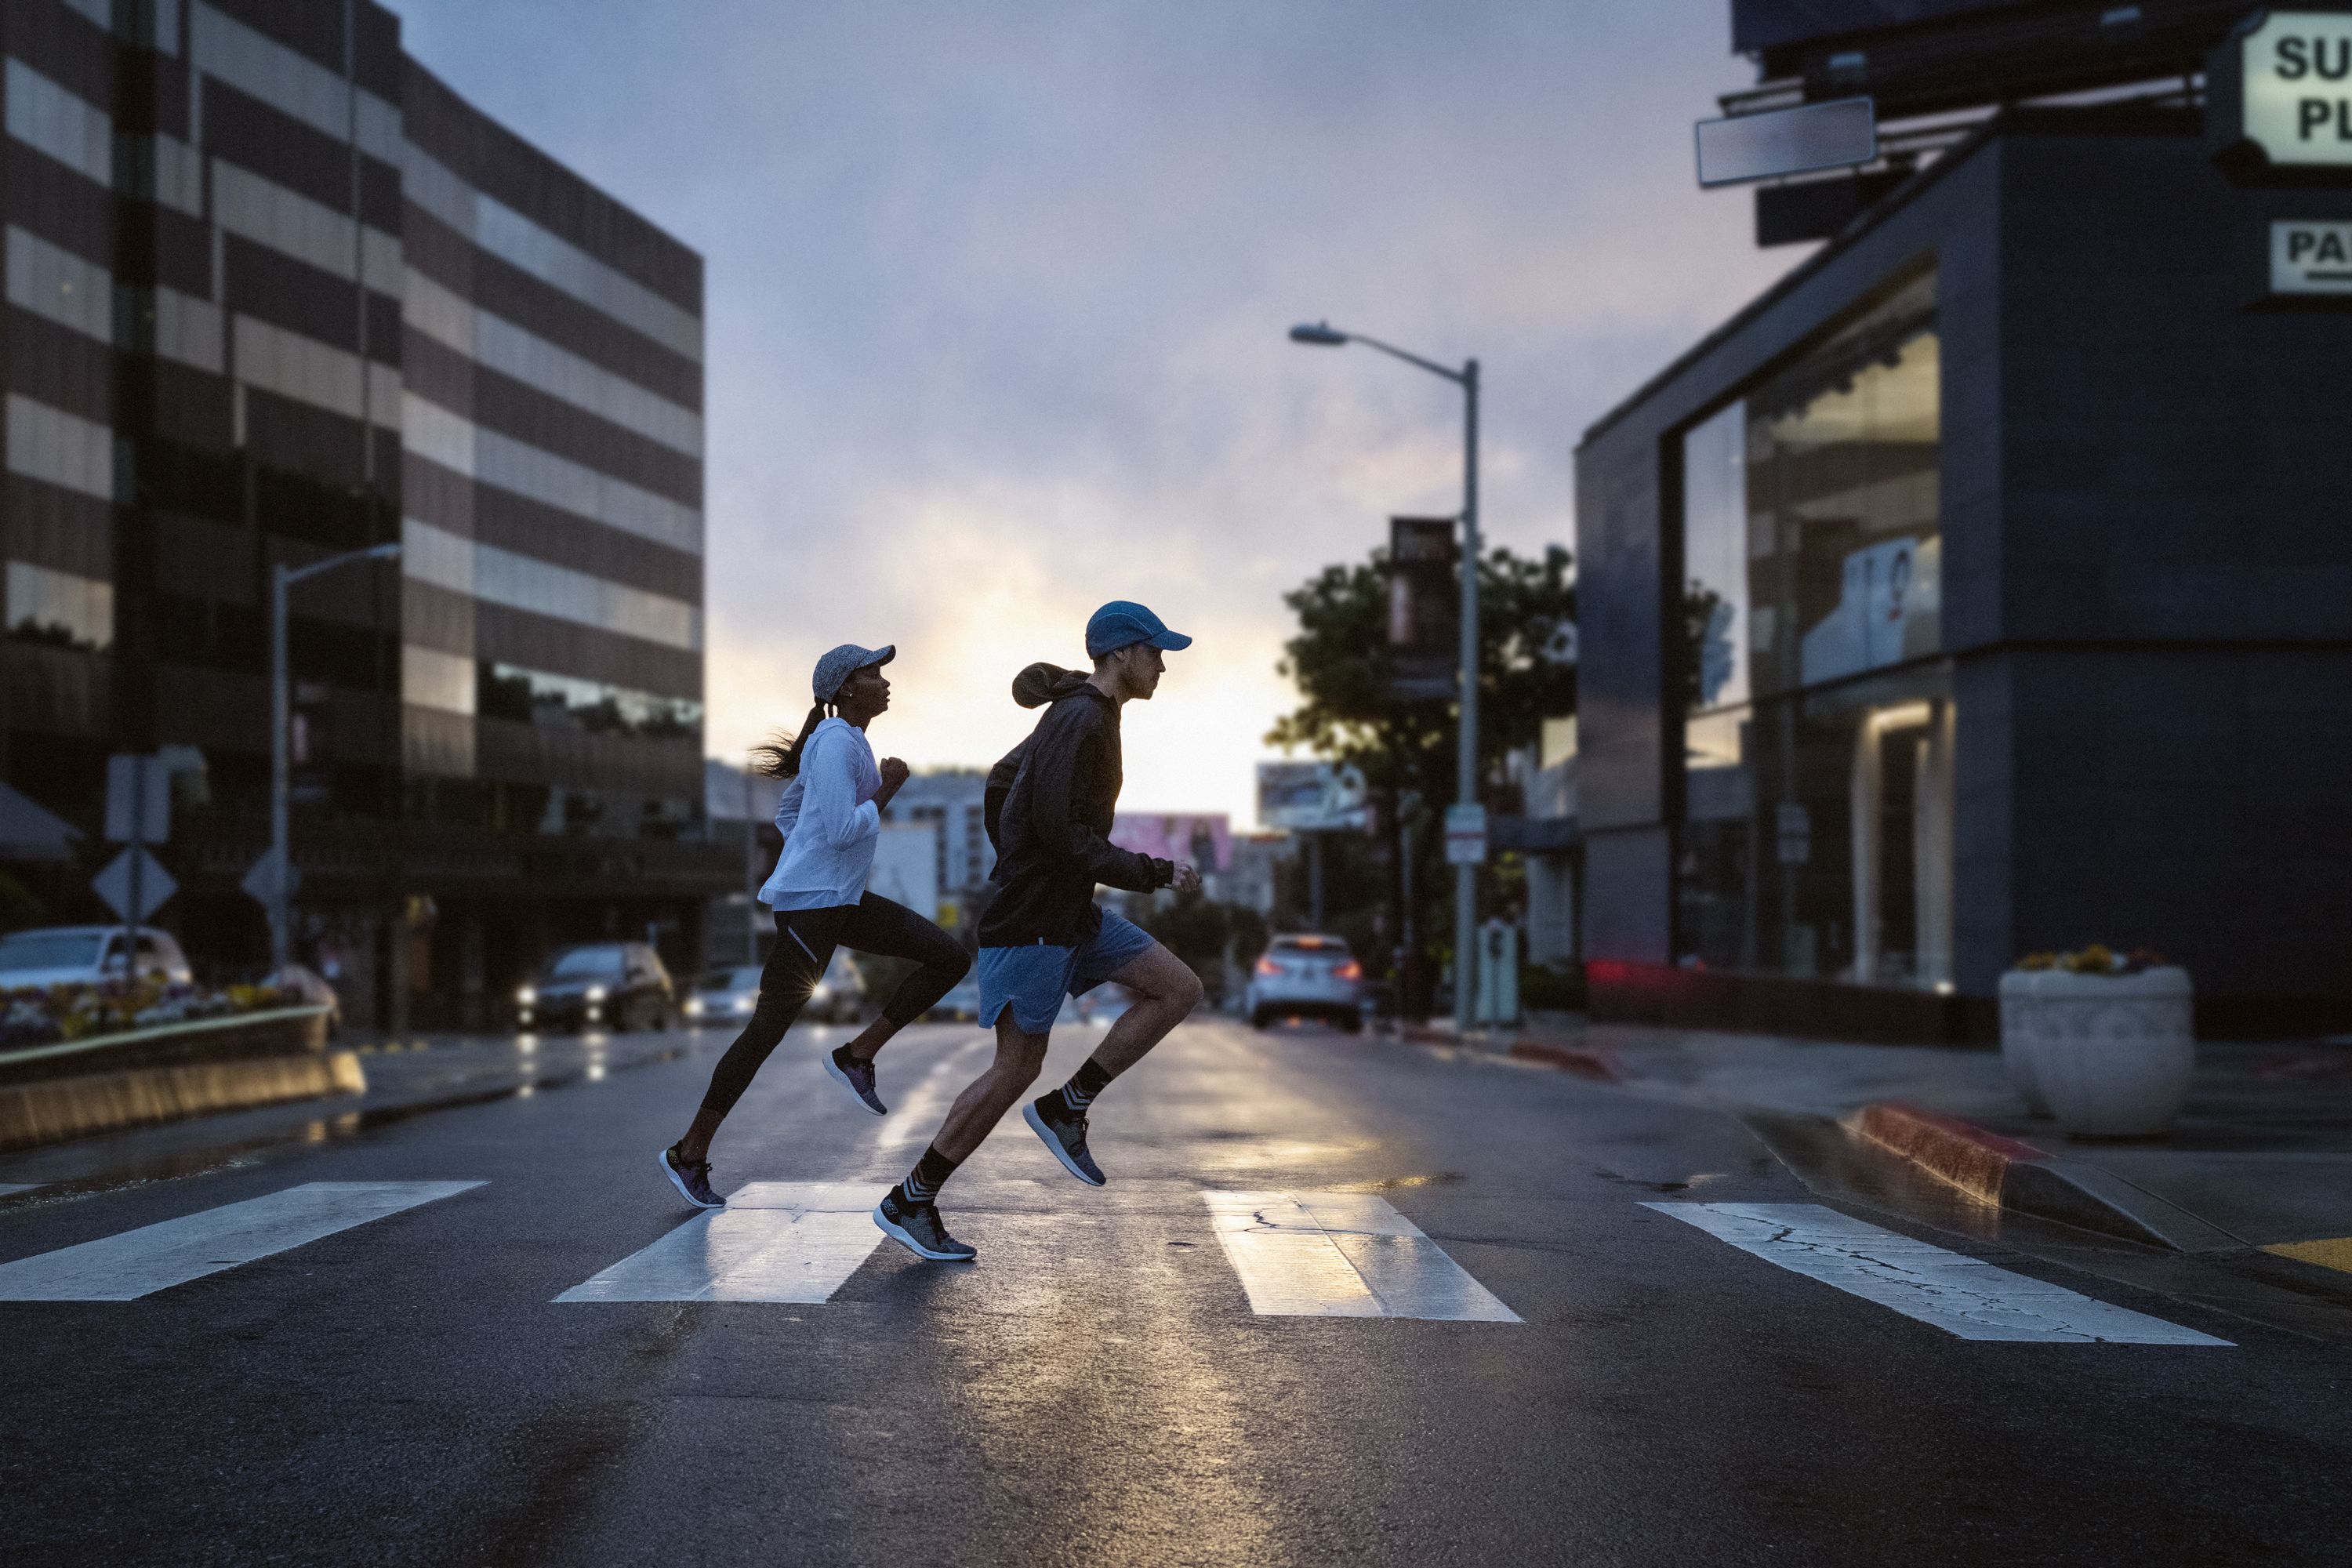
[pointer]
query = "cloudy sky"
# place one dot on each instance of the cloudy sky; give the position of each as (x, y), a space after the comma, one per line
(998, 291)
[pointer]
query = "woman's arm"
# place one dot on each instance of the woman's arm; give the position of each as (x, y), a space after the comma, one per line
(829, 804)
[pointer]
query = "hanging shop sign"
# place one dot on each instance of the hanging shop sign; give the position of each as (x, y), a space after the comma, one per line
(2311, 257)
(2279, 94)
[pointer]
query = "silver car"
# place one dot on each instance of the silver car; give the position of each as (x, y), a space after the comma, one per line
(1306, 976)
(723, 995)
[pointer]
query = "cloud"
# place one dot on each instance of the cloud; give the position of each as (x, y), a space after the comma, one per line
(997, 300)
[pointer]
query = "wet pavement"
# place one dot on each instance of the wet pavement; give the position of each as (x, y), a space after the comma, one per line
(1269, 1340)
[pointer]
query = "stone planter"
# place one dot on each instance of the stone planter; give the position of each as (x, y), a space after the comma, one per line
(2021, 1023)
(2110, 1054)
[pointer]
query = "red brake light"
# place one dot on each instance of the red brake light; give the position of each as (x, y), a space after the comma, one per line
(1350, 969)
(1268, 966)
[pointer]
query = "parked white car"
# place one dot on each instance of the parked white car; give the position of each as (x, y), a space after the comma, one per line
(723, 995)
(1306, 976)
(84, 956)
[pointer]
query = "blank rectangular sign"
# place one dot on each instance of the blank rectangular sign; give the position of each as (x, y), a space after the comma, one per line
(1786, 142)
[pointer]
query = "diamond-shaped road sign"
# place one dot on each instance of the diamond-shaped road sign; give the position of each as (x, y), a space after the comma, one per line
(156, 885)
(260, 883)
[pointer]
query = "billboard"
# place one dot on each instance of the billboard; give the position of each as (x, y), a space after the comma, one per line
(1206, 838)
(1758, 25)
(1310, 797)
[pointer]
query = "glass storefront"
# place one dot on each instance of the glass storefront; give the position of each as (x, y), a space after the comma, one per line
(1816, 836)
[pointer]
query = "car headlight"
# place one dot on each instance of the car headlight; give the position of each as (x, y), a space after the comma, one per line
(822, 992)
(693, 1008)
(595, 994)
(526, 996)
(745, 1004)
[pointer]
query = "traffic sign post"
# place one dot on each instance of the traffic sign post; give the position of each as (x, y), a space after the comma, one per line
(138, 813)
(1466, 835)
(134, 885)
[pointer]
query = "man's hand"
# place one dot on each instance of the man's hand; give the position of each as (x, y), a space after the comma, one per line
(894, 773)
(1187, 880)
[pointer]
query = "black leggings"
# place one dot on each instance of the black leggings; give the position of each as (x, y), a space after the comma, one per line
(804, 943)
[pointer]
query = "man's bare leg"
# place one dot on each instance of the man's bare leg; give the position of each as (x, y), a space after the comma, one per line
(1166, 991)
(978, 1110)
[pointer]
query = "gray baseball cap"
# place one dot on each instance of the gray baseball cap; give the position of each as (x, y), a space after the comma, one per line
(844, 662)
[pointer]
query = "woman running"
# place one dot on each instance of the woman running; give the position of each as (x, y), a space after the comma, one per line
(831, 817)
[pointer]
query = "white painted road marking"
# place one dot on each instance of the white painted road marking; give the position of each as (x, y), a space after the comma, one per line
(9, 1189)
(156, 1257)
(775, 1241)
(1962, 1296)
(1342, 1255)
(917, 1115)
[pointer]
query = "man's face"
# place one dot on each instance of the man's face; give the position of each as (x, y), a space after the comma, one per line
(1144, 666)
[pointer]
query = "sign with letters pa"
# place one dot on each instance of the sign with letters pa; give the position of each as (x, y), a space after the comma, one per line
(2311, 257)
(2280, 93)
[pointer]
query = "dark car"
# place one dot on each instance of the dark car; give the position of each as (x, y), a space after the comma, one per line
(615, 986)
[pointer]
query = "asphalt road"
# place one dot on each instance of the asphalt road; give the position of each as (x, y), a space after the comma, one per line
(1097, 1388)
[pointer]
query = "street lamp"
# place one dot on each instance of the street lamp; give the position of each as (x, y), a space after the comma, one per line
(1322, 334)
(282, 577)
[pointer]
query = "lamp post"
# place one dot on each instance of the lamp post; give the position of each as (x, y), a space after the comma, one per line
(282, 577)
(1322, 334)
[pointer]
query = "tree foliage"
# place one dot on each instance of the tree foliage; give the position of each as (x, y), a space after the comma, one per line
(1341, 662)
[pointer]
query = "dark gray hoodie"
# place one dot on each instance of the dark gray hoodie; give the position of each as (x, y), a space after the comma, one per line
(1048, 807)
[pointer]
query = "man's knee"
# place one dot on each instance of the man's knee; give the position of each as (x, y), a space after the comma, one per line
(1184, 989)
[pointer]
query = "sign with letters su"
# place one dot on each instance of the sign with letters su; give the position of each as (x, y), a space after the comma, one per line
(2279, 93)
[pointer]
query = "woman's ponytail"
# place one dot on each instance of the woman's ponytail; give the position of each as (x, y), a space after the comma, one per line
(780, 761)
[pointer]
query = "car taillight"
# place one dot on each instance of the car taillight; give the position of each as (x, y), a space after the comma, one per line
(1268, 966)
(1350, 969)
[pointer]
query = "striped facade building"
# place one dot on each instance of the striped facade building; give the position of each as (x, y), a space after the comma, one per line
(274, 292)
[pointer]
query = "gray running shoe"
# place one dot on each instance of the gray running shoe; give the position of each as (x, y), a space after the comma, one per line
(857, 1077)
(1065, 1135)
(916, 1227)
(692, 1182)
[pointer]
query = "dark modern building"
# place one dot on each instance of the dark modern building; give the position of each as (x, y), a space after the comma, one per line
(274, 293)
(1985, 587)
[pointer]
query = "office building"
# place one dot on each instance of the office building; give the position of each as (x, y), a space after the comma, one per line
(1984, 586)
(275, 292)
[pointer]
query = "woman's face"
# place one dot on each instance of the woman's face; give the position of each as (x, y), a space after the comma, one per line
(867, 692)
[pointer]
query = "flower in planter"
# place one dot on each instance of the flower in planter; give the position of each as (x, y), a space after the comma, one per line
(2096, 959)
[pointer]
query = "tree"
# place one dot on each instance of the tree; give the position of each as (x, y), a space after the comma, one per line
(1341, 662)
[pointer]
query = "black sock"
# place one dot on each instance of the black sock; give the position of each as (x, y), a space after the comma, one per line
(930, 1173)
(1088, 1081)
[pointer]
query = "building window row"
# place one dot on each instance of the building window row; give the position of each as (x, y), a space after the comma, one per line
(61, 608)
(83, 296)
(61, 449)
(51, 120)
(508, 235)
(521, 581)
(564, 701)
(309, 371)
(500, 345)
(262, 67)
(431, 679)
(1816, 836)
(458, 444)
(267, 213)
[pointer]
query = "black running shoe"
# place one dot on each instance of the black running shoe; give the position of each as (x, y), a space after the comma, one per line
(857, 1077)
(918, 1228)
(693, 1182)
(1065, 1135)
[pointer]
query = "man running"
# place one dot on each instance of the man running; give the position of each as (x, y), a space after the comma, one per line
(1043, 938)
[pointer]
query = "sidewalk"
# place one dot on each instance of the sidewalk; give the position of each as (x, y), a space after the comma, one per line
(2263, 1154)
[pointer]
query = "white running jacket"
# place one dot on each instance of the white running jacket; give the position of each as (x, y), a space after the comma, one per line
(830, 823)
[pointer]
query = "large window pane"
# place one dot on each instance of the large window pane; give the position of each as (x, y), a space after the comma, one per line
(1815, 840)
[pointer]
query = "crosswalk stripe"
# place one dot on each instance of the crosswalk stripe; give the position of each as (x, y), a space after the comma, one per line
(775, 1241)
(1963, 1296)
(9, 1189)
(1342, 1255)
(154, 1258)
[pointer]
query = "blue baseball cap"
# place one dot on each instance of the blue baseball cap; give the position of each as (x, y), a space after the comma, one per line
(1123, 623)
(836, 667)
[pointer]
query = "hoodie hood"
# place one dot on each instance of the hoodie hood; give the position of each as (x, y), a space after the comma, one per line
(1042, 683)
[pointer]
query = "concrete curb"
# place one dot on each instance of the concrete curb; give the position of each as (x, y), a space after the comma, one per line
(52, 1110)
(2015, 1175)
(1600, 1065)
